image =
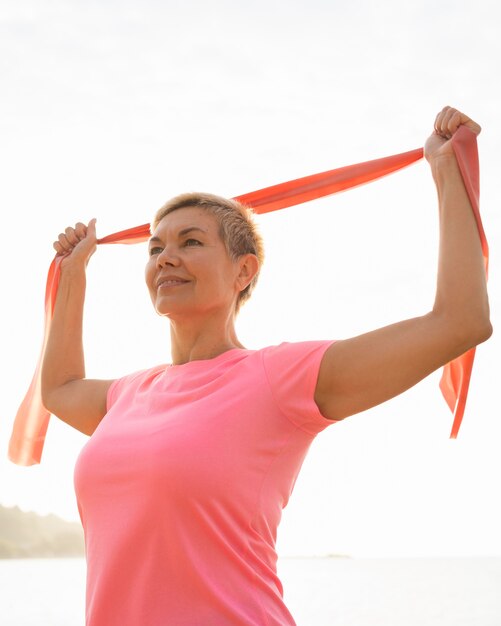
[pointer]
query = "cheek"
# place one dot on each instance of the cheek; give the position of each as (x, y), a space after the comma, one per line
(224, 282)
(149, 274)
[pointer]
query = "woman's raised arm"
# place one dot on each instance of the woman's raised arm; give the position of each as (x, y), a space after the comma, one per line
(364, 371)
(66, 392)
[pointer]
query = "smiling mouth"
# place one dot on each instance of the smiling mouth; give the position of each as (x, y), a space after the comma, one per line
(171, 283)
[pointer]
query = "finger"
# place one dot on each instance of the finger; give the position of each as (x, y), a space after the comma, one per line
(447, 126)
(80, 231)
(66, 245)
(449, 120)
(71, 236)
(58, 248)
(439, 120)
(454, 121)
(442, 121)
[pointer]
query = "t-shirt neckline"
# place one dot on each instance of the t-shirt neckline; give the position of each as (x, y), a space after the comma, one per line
(197, 364)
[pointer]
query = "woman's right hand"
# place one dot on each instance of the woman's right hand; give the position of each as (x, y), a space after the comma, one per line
(77, 244)
(66, 392)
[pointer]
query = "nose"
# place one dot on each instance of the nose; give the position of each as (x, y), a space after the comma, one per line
(168, 257)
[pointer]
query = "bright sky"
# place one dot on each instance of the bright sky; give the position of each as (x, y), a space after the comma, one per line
(110, 108)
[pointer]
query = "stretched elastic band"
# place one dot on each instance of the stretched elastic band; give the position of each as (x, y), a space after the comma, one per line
(32, 419)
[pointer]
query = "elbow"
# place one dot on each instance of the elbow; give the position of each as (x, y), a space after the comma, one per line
(47, 392)
(484, 331)
(45, 388)
(461, 333)
(474, 332)
(480, 326)
(44, 392)
(46, 398)
(466, 325)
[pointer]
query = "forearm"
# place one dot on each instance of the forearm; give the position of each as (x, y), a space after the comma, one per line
(461, 296)
(64, 355)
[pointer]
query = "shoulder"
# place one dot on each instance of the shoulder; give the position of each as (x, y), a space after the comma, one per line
(294, 353)
(294, 366)
(291, 371)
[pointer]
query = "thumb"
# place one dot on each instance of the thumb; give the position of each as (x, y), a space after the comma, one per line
(469, 123)
(91, 228)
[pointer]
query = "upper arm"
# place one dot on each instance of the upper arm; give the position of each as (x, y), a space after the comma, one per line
(359, 373)
(79, 403)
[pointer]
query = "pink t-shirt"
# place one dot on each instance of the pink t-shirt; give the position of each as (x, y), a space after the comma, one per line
(181, 488)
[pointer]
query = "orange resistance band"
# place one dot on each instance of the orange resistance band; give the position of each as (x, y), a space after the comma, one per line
(32, 418)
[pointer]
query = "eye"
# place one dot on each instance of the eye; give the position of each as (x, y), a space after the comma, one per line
(155, 250)
(192, 242)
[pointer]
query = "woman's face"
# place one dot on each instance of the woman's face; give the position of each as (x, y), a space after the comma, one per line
(189, 271)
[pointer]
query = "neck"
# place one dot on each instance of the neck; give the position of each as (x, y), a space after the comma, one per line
(192, 342)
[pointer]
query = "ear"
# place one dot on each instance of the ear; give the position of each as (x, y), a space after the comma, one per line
(248, 267)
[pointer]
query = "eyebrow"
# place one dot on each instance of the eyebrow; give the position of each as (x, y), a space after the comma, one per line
(182, 233)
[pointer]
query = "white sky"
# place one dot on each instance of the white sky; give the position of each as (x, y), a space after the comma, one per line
(109, 108)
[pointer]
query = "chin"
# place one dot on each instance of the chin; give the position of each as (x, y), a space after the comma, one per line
(190, 310)
(177, 310)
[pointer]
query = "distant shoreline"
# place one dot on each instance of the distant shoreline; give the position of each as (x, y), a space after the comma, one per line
(27, 535)
(315, 556)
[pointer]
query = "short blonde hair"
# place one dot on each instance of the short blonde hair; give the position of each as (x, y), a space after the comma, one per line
(237, 229)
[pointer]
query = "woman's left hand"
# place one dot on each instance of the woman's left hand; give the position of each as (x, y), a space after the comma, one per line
(446, 124)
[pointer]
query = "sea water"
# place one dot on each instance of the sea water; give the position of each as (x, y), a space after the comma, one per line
(319, 592)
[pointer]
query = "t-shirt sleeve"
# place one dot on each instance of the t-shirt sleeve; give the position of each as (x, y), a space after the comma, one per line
(292, 373)
(128, 383)
(116, 389)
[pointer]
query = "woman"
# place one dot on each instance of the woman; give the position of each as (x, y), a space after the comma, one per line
(181, 486)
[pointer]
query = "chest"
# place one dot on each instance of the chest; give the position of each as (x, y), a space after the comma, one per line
(210, 443)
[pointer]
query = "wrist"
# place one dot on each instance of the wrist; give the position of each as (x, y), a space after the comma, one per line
(444, 168)
(73, 269)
